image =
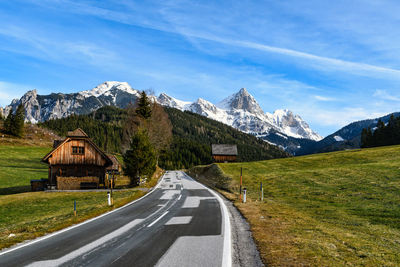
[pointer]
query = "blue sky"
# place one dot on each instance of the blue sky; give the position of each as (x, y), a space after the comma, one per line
(331, 62)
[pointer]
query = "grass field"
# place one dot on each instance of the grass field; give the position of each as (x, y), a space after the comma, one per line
(19, 165)
(29, 215)
(25, 215)
(331, 209)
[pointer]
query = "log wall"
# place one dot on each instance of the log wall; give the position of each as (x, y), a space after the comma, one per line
(63, 155)
(222, 158)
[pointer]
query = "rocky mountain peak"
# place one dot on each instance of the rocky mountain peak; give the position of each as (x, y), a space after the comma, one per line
(106, 89)
(202, 106)
(294, 125)
(243, 91)
(242, 100)
(166, 100)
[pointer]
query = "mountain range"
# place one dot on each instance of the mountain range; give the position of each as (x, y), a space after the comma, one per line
(239, 110)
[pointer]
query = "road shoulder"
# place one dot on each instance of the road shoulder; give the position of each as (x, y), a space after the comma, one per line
(244, 249)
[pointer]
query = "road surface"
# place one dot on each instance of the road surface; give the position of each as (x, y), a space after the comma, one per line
(180, 223)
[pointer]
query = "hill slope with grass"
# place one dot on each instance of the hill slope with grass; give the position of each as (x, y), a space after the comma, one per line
(333, 209)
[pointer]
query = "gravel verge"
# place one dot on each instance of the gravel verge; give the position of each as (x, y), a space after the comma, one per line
(244, 249)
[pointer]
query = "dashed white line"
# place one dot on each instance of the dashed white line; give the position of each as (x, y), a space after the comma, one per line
(179, 197)
(159, 218)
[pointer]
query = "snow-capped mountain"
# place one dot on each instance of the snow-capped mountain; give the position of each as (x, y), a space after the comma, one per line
(242, 111)
(293, 125)
(239, 110)
(57, 105)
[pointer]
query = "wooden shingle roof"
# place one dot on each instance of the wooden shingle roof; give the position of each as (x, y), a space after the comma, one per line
(77, 133)
(225, 150)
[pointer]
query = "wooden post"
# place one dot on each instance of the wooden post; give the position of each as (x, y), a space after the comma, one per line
(261, 192)
(108, 182)
(112, 184)
(240, 189)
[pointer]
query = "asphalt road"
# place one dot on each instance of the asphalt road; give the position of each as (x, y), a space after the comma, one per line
(180, 223)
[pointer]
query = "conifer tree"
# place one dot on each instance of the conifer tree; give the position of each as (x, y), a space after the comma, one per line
(144, 106)
(8, 122)
(364, 137)
(140, 158)
(17, 128)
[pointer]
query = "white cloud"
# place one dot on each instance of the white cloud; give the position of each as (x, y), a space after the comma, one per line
(383, 94)
(324, 98)
(148, 18)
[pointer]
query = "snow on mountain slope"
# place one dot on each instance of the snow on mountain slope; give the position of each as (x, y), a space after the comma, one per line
(293, 125)
(44, 107)
(242, 111)
(107, 87)
(242, 100)
(169, 101)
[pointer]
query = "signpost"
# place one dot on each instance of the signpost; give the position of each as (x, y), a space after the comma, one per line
(110, 185)
(261, 192)
(75, 208)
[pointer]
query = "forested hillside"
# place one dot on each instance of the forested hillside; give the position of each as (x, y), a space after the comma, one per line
(192, 136)
(105, 126)
(383, 134)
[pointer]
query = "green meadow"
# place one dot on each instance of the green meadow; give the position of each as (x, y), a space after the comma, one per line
(19, 165)
(332, 209)
(26, 215)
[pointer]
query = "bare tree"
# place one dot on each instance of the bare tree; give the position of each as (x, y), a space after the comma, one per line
(158, 126)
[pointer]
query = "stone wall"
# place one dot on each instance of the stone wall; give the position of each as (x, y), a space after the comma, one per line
(74, 183)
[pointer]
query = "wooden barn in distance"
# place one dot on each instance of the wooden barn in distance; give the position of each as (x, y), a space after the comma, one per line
(76, 162)
(224, 153)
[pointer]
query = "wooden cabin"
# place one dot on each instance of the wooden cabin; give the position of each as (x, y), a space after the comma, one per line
(224, 153)
(76, 162)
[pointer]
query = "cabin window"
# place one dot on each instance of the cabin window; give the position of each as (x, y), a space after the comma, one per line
(78, 150)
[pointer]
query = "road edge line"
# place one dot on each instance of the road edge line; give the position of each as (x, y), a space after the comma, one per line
(36, 240)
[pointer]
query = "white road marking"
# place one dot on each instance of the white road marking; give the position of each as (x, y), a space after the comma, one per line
(227, 252)
(179, 198)
(193, 251)
(76, 253)
(168, 194)
(194, 202)
(159, 218)
(179, 220)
